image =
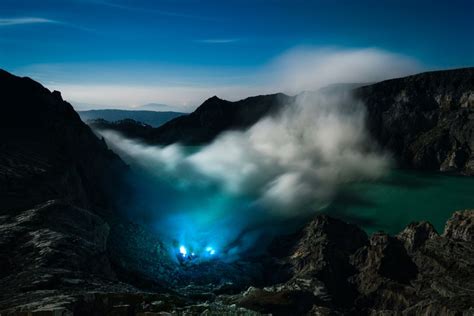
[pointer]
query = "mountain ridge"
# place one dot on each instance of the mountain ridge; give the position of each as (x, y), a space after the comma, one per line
(152, 118)
(425, 120)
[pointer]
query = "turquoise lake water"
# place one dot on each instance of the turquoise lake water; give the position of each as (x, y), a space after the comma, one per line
(402, 197)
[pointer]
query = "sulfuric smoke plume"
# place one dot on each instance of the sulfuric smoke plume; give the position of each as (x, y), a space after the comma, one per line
(283, 168)
(249, 185)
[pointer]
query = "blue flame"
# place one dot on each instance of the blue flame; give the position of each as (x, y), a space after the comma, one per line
(183, 251)
(210, 251)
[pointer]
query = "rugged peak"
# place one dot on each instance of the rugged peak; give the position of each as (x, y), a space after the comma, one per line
(460, 226)
(326, 243)
(212, 100)
(348, 237)
(57, 95)
(384, 257)
(416, 234)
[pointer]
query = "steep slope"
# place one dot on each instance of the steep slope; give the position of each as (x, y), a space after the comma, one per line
(59, 234)
(151, 118)
(46, 151)
(426, 120)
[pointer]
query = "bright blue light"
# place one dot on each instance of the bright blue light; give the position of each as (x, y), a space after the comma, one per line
(210, 250)
(183, 251)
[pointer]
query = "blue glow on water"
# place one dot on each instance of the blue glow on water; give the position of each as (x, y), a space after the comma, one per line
(211, 224)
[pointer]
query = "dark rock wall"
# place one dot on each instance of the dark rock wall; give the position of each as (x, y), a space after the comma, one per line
(58, 228)
(46, 151)
(425, 120)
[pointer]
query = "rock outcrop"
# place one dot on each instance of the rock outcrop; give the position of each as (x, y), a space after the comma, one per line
(460, 226)
(425, 120)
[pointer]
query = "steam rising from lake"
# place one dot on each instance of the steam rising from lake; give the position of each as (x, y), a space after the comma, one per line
(284, 167)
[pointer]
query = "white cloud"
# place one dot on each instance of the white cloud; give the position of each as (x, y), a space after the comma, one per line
(25, 20)
(309, 68)
(184, 98)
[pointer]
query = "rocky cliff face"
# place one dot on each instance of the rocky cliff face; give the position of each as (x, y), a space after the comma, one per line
(46, 151)
(425, 120)
(58, 230)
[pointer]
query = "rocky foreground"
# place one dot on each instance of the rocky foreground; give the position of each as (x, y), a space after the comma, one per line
(64, 250)
(58, 265)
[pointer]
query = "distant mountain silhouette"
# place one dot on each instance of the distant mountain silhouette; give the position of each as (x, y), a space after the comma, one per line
(157, 107)
(207, 121)
(151, 118)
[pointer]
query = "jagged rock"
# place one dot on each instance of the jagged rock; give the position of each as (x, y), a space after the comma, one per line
(384, 271)
(460, 226)
(323, 253)
(386, 257)
(282, 302)
(416, 234)
(416, 272)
